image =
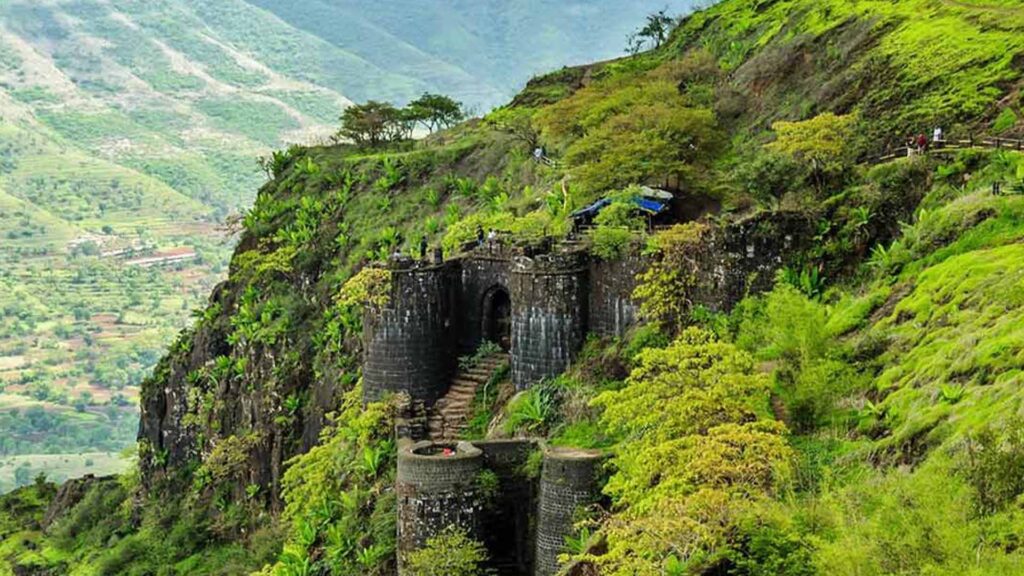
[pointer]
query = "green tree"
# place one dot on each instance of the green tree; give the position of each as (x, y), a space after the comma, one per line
(821, 143)
(653, 33)
(515, 121)
(699, 453)
(435, 111)
(372, 124)
(451, 553)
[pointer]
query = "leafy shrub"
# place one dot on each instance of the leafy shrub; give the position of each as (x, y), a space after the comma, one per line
(995, 466)
(1006, 120)
(336, 497)
(664, 288)
(822, 144)
(531, 411)
(451, 553)
(698, 451)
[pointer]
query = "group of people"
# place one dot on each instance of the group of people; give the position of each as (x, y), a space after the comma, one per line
(919, 144)
(424, 245)
(491, 236)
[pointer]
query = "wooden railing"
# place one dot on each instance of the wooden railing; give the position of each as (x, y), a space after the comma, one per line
(953, 145)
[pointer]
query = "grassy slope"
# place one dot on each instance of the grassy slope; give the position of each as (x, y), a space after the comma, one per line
(881, 507)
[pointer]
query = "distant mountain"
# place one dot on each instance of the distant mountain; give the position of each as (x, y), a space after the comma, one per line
(480, 51)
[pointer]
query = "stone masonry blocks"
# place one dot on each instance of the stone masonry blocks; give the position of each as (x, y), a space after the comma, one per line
(408, 343)
(569, 480)
(436, 491)
(549, 313)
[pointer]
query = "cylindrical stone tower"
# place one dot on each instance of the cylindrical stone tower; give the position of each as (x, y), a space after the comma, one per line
(549, 311)
(435, 491)
(408, 347)
(569, 480)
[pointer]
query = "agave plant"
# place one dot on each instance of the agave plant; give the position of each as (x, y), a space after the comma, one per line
(576, 545)
(952, 394)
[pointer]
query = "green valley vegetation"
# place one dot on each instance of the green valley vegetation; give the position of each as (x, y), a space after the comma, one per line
(860, 416)
(129, 138)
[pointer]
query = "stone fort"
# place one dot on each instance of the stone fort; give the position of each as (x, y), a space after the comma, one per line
(539, 305)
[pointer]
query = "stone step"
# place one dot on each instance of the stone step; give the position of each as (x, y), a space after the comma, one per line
(477, 374)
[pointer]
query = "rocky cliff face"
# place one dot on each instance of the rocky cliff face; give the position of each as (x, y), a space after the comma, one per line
(250, 385)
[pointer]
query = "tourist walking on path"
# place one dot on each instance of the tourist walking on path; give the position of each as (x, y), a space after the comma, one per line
(922, 143)
(479, 235)
(423, 248)
(938, 138)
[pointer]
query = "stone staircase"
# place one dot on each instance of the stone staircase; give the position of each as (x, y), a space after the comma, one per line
(449, 416)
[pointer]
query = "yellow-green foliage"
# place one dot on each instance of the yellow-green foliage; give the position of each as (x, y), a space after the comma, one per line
(452, 553)
(370, 287)
(664, 287)
(951, 56)
(618, 133)
(962, 324)
(617, 226)
(531, 227)
(698, 451)
(920, 522)
(824, 139)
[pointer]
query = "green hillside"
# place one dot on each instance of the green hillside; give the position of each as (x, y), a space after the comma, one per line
(861, 415)
(131, 130)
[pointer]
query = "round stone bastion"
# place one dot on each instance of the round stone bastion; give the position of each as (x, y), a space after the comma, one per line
(437, 488)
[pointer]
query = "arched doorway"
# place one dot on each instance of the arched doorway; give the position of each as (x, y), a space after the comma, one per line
(497, 317)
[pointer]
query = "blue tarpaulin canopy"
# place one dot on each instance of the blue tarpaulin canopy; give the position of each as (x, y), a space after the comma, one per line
(646, 204)
(593, 209)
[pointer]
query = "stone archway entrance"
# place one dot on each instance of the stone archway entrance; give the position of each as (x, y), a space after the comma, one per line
(497, 317)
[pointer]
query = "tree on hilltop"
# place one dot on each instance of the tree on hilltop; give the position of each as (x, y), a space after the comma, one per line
(653, 34)
(372, 124)
(436, 111)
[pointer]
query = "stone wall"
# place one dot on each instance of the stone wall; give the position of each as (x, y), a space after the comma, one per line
(612, 310)
(485, 270)
(569, 480)
(743, 258)
(508, 521)
(549, 315)
(437, 312)
(435, 492)
(409, 344)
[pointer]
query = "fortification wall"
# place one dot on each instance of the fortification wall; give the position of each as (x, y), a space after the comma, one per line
(742, 258)
(409, 344)
(435, 492)
(508, 521)
(569, 480)
(612, 310)
(549, 314)
(486, 270)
